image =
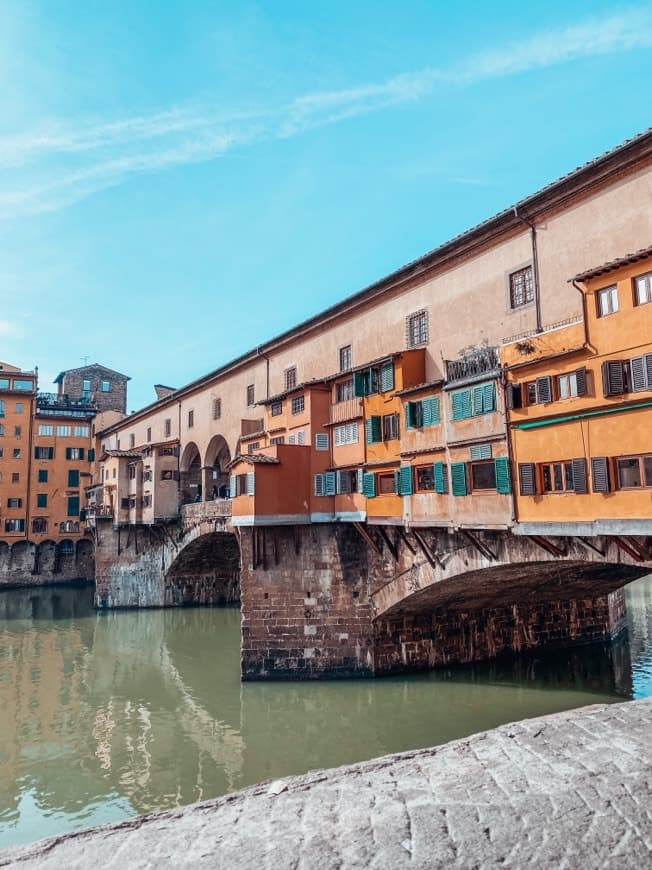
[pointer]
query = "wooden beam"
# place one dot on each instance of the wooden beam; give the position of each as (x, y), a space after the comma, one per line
(547, 545)
(589, 546)
(367, 537)
(406, 541)
(393, 549)
(480, 546)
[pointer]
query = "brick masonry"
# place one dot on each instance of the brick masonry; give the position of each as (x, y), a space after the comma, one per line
(28, 564)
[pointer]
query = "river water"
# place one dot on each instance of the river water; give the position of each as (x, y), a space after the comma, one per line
(107, 715)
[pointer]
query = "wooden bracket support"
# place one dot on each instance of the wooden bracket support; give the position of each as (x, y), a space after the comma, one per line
(367, 537)
(432, 558)
(480, 546)
(589, 546)
(393, 549)
(406, 541)
(629, 546)
(547, 545)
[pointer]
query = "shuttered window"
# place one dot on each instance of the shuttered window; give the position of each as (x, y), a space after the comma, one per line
(73, 505)
(251, 483)
(474, 401)
(458, 478)
(319, 484)
(373, 430)
(431, 411)
(641, 369)
(369, 484)
(73, 478)
(461, 404)
(343, 479)
(386, 377)
(41, 500)
(580, 476)
(527, 478)
(503, 480)
(613, 377)
(329, 483)
(544, 390)
(441, 477)
(513, 396)
(321, 441)
(480, 451)
(572, 384)
(413, 415)
(405, 480)
(600, 474)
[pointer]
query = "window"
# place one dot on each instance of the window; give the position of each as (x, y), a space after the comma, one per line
(473, 401)
(86, 387)
(41, 500)
(251, 399)
(278, 439)
(64, 431)
(373, 430)
(424, 413)
(483, 475)
(73, 478)
(2, 407)
(386, 484)
(301, 436)
(147, 501)
(290, 378)
(416, 327)
(23, 385)
(557, 477)
(14, 525)
(167, 427)
(634, 472)
(640, 368)
(82, 431)
(132, 472)
(167, 474)
(74, 453)
(347, 433)
(17, 431)
(15, 477)
(521, 287)
(168, 451)
(348, 481)
(322, 440)
(255, 445)
(344, 391)
(607, 301)
(45, 429)
(44, 453)
(147, 475)
(16, 452)
(39, 526)
(217, 409)
(14, 503)
(149, 434)
(132, 441)
(42, 475)
(106, 386)
(425, 478)
(2, 430)
(390, 427)
(276, 409)
(18, 408)
(572, 384)
(4, 383)
(643, 289)
(191, 419)
(298, 404)
(346, 358)
(73, 505)
(366, 382)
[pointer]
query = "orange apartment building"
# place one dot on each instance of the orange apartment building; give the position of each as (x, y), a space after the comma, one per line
(580, 417)
(17, 402)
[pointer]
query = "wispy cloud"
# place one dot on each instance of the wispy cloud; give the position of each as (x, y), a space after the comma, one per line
(71, 162)
(8, 329)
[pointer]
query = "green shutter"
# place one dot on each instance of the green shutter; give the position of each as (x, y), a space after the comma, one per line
(329, 483)
(489, 397)
(386, 377)
(503, 482)
(73, 505)
(480, 451)
(458, 477)
(405, 480)
(409, 415)
(91, 454)
(431, 411)
(440, 482)
(73, 477)
(358, 384)
(41, 499)
(397, 482)
(426, 412)
(461, 403)
(478, 400)
(369, 484)
(373, 430)
(68, 452)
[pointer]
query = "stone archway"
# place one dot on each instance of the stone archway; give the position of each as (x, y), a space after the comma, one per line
(216, 475)
(206, 571)
(190, 474)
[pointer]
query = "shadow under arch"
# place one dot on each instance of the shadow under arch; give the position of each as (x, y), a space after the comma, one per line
(207, 571)
(190, 474)
(216, 475)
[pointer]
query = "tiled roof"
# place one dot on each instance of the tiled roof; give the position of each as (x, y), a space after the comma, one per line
(129, 454)
(612, 265)
(426, 385)
(299, 387)
(254, 459)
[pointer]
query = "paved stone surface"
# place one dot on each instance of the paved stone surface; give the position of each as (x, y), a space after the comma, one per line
(566, 791)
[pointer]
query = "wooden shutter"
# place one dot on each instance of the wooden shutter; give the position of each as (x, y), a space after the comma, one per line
(91, 454)
(480, 451)
(488, 398)
(639, 374)
(580, 481)
(580, 378)
(409, 415)
(386, 377)
(613, 380)
(68, 452)
(503, 481)
(376, 429)
(405, 480)
(73, 477)
(600, 474)
(513, 396)
(527, 478)
(319, 484)
(321, 439)
(440, 478)
(436, 410)
(544, 390)
(461, 404)
(397, 482)
(369, 484)
(478, 400)
(329, 483)
(458, 478)
(73, 505)
(426, 416)
(251, 483)
(360, 480)
(358, 384)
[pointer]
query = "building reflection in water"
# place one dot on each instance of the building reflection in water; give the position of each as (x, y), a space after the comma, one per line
(106, 715)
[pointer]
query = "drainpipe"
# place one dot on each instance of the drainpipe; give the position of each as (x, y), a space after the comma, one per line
(587, 342)
(262, 353)
(535, 266)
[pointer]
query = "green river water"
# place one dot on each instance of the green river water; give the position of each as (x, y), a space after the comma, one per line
(107, 715)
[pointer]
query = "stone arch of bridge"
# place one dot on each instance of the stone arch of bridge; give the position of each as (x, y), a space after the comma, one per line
(215, 473)
(205, 571)
(190, 468)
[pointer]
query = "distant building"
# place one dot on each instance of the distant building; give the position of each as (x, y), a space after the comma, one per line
(102, 388)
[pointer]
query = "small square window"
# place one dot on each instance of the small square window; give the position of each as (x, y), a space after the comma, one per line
(643, 289)
(106, 386)
(521, 287)
(483, 475)
(276, 409)
(15, 477)
(607, 301)
(298, 404)
(346, 358)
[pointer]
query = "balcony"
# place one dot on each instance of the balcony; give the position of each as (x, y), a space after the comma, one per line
(476, 361)
(347, 410)
(69, 527)
(53, 404)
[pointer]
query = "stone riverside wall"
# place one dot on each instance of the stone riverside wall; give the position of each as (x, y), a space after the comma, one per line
(567, 790)
(441, 637)
(27, 564)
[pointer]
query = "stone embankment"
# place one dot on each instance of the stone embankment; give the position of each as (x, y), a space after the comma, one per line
(568, 790)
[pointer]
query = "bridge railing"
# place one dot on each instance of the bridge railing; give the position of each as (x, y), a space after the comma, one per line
(199, 511)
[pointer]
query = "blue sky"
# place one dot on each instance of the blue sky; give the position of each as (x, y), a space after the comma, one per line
(180, 181)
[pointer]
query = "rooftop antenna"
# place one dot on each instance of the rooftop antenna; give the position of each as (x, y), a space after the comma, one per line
(85, 359)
